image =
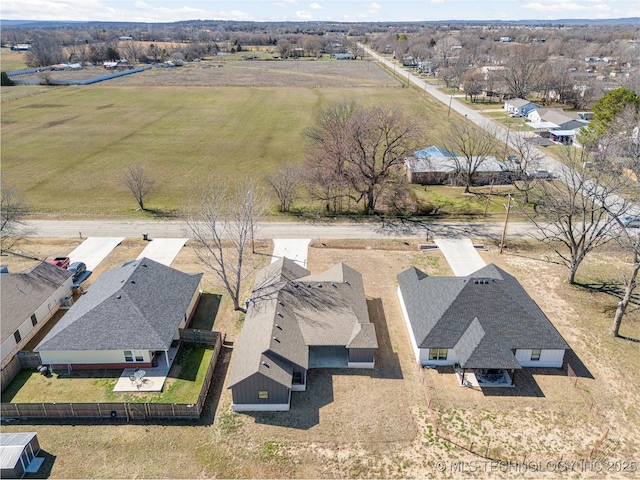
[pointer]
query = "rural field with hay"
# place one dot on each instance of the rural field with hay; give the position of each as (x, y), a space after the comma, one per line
(67, 148)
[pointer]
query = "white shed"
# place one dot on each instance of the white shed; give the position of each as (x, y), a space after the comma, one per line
(18, 454)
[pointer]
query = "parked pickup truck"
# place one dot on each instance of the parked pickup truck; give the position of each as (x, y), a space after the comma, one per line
(62, 262)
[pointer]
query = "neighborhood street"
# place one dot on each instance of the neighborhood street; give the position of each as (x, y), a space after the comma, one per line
(268, 230)
(615, 202)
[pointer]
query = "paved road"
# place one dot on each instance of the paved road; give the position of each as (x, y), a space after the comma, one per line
(615, 202)
(270, 230)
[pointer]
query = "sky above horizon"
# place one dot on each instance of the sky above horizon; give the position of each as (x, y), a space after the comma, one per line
(315, 10)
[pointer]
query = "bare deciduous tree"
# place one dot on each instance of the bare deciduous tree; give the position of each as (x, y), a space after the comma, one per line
(520, 75)
(12, 211)
(366, 145)
(632, 244)
(470, 146)
(138, 182)
(285, 183)
(221, 221)
(529, 160)
(46, 49)
(578, 213)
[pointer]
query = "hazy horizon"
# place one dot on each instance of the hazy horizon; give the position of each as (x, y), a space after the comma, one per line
(163, 11)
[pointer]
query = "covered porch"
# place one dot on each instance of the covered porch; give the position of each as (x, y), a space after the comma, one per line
(485, 377)
(328, 357)
(149, 379)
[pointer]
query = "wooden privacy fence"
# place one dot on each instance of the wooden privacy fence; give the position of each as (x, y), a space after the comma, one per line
(201, 337)
(127, 410)
(21, 360)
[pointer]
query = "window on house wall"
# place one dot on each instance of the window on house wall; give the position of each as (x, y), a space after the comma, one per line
(34, 320)
(437, 354)
(297, 378)
(263, 394)
(535, 354)
(128, 356)
(17, 336)
(139, 357)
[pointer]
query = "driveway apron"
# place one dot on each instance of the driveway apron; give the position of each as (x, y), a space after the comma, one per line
(461, 255)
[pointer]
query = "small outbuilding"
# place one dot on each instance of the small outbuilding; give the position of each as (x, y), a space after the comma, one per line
(18, 454)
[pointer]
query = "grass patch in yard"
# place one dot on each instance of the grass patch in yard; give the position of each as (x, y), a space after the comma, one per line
(205, 314)
(182, 385)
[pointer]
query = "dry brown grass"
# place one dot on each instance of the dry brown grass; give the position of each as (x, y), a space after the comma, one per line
(375, 424)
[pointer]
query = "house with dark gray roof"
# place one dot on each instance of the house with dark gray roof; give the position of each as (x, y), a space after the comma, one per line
(29, 300)
(129, 317)
(295, 322)
(484, 324)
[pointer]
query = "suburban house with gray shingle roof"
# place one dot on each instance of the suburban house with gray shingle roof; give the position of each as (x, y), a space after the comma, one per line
(129, 317)
(29, 299)
(484, 324)
(296, 321)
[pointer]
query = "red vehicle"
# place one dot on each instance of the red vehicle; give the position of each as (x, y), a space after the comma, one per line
(62, 262)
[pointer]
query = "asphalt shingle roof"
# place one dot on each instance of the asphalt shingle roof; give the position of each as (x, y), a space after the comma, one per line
(23, 293)
(442, 310)
(291, 310)
(138, 305)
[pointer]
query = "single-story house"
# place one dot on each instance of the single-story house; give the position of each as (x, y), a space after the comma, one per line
(129, 317)
(18, 454)
(443, 169)
(295, 322)
(536, 114)
(519, 106)
(29, 299)
(564, 120)
(484, 324)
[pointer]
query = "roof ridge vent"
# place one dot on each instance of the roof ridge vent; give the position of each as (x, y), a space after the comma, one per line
(266, 364)
(278, 327)
(276, 339)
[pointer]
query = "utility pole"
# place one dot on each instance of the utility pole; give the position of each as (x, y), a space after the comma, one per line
(450, 100)
(506, 220)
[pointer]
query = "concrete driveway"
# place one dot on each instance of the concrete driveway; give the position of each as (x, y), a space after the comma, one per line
(93, 250)
(461, 255)
(296, 249)
(163, 250)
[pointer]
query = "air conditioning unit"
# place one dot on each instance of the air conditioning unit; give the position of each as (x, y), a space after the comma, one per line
(67, 302)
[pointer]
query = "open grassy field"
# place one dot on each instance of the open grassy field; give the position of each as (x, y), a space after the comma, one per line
(12, 60)
(66, 148)
(375, 424)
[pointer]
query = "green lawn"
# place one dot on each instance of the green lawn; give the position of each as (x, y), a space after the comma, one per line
(454, 203)
(66, 149)
(182, 385)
